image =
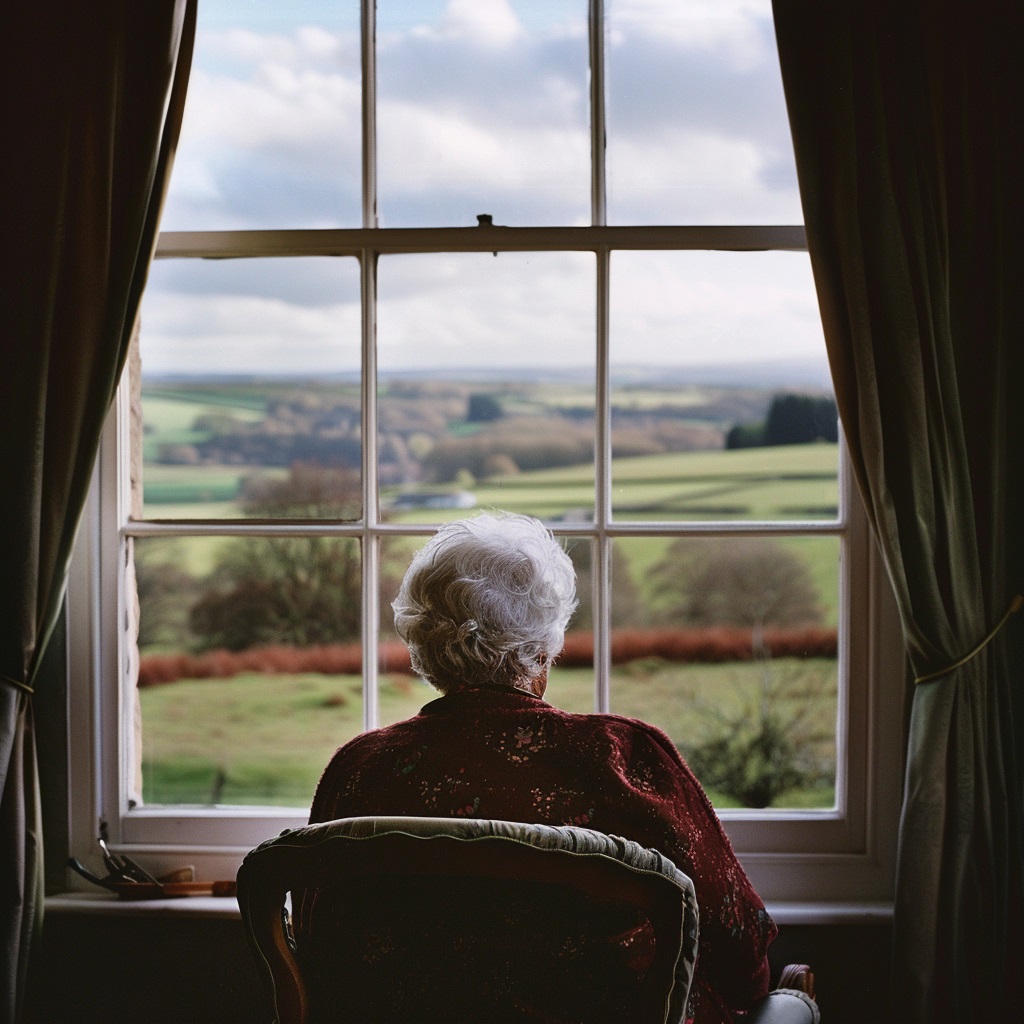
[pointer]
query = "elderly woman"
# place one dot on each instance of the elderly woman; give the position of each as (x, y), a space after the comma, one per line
(483, 609)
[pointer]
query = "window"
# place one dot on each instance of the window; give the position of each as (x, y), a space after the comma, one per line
(403, 275)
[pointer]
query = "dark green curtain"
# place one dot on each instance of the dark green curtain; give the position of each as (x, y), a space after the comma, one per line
(91, 97)
(906, 120)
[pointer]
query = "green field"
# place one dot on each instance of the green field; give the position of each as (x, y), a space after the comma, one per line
(273, 734)
(192, 490)
(785, 483)
(169, 415)
(778, 483)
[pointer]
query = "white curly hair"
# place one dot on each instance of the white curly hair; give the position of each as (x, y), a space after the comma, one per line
(486, 600)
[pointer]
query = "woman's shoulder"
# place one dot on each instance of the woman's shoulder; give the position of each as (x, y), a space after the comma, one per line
(619, 725)
(632, 735)
(373, 741)
(459, 714)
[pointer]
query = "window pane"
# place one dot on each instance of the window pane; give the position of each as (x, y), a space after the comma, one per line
(483, 107)
(697, 127)
(250, 666)
(250, 389)
(400, 693)
(486, 385)
(729, 645)
(722, 405)
(271, 133)
(571, 678)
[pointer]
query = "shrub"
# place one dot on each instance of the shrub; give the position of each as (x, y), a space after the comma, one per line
(740, 581)
(758, 753)
(299, 590)
(702, 645)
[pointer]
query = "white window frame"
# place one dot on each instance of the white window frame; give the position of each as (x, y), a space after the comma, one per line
(846, 854)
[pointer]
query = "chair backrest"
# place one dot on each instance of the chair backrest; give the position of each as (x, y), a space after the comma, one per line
(467, 919)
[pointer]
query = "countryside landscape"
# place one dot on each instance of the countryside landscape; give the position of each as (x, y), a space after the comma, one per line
(250, 662)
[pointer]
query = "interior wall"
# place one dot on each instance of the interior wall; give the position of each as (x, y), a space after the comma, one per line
(131, 970)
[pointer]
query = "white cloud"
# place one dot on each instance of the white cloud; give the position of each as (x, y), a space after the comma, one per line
(695, 177)
(269, 118)
(282, 107)
(483, 22)
(459, 310)
(717, 307)
(726, 27)
(272, 136)
(246, 334)
(423, 148)
(318, 42)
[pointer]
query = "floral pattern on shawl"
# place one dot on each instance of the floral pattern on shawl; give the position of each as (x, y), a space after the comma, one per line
(496, 753)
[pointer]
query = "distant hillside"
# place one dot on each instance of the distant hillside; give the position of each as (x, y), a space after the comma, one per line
(768, 373)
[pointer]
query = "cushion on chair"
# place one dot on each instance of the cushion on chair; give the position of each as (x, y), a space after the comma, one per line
(785, 1006)
(418, 929)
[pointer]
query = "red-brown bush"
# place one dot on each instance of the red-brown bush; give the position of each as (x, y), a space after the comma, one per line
(704, 644)
(329, 659)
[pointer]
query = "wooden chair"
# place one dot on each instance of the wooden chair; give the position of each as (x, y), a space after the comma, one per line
(463, 920)
(485, 917)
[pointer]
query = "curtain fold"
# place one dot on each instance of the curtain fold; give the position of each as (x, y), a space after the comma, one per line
(908, 139)
(92, 97)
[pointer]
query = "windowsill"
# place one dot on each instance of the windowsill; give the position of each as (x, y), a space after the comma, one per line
(109, 904)
(227, 907)
(830, 913)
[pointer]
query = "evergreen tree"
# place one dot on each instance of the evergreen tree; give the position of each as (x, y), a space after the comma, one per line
(800, 419)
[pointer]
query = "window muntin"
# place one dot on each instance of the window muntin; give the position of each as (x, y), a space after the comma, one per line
(249, 367)
(576, 371)
(485, 397)
(840, 827)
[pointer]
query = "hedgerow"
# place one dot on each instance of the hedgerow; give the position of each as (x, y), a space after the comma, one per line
(696, 645)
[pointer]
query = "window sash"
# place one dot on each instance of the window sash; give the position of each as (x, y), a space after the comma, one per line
(778, 832)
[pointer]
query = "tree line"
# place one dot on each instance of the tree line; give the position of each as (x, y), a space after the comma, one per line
(791, 419)
(306, 591)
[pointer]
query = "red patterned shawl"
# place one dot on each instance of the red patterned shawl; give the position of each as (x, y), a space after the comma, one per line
(498, 753)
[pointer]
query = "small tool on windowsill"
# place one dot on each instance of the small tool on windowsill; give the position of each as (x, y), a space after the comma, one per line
(170, 886)
(125, 867)
(131, 881)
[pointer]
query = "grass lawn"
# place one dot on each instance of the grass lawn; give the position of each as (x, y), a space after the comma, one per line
(254, 738)
(198, 492)
(261, 739)
(788, 482)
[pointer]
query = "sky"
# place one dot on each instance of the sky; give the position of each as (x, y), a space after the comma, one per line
(483, 106)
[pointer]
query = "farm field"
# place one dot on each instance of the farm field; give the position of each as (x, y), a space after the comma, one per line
(792, 481)
(171, 415)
